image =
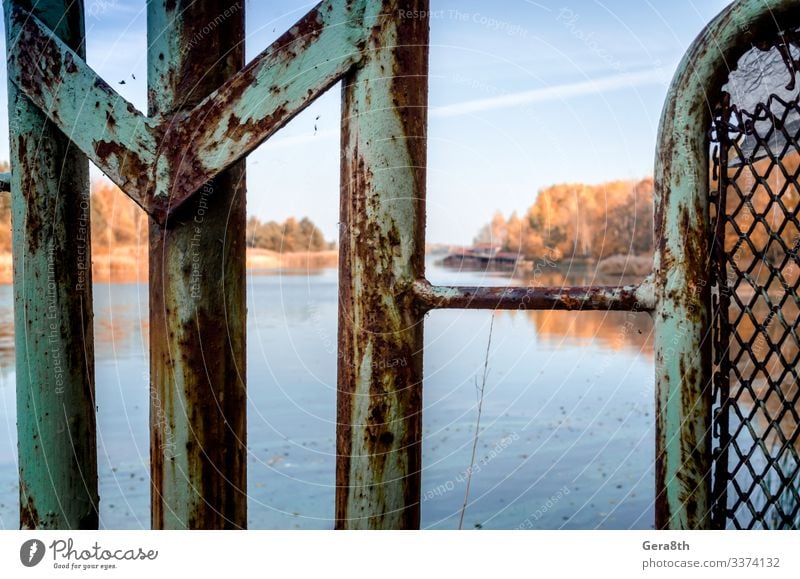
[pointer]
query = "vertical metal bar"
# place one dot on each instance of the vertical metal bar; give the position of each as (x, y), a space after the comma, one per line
(682, 338)
(381, 254)
(52, 304)
(197, 288)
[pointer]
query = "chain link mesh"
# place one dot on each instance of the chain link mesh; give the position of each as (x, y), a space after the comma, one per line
(755, 272)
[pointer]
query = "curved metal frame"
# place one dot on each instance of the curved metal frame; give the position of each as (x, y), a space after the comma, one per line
(682, 327)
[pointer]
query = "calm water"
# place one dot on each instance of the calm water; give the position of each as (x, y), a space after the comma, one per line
(567, 426)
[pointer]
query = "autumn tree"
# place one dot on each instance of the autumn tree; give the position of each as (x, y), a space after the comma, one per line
(583, 221)
(291, 235)
(494, 233)
(116, 219)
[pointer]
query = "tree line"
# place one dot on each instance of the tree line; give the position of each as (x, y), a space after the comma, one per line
(291, 235)
(118, 221)
(575, 220)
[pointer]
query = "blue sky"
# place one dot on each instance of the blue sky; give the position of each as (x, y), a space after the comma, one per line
(523, 95)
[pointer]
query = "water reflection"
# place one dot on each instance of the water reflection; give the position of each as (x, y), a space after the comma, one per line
(612, 330)
(572, 393)
(569, 405)
(121, 322)
(6, 345)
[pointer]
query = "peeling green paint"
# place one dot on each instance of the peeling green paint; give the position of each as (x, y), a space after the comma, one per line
(279, 83)
(381, 254)
(182, 162)
(197, 293)
(120, 140)
(57, 448)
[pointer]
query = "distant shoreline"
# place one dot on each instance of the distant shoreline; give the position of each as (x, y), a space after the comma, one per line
(128, 264)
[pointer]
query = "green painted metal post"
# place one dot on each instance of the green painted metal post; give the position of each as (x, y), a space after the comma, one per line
(682, 340)
(684, 498)
(381, 255)
(197, 287)
(52, 304)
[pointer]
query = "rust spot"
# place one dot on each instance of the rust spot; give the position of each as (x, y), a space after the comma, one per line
(199, 332)
(28, 515)
(303, 33)
(69, 65)
(381, 336)
(131, 167)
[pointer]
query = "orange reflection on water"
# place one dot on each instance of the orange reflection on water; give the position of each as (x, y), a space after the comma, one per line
(612, 330)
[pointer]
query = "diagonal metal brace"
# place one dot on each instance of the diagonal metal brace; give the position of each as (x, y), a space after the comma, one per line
(162, 162)
(119, 139)
(260, 99)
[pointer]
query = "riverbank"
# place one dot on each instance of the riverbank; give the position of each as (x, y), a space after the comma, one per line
(128, 264)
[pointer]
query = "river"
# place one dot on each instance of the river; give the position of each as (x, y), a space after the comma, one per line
(566, 439)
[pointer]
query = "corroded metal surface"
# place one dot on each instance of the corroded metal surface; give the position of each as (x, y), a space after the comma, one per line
(182, 165)
(161, 162)
(197, 291)
(52, 305)
(117, 138)
(276, 85)
(624, 298)
(683, 377)
(381, 254)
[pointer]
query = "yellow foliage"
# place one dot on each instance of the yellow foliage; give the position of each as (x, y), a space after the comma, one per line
(583, 221)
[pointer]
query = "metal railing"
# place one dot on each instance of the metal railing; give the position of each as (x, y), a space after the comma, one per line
(182, 164)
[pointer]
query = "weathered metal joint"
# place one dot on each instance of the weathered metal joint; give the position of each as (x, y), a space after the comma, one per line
(120, 140)
(163, 160)
(257, 101)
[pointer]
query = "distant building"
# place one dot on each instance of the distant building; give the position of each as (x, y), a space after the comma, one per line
(482, 256)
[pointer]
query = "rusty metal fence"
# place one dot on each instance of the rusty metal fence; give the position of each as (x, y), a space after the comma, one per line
(182, 164)
(754, 204)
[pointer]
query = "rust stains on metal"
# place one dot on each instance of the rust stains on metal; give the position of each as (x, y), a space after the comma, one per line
(163, 160)
(134, 171)
(28, 514)
(682, 319)
(259, 100)
(379, 408)
(52, 302)
(305, 31)
(623, 298)
(197, 292)
(54, 75)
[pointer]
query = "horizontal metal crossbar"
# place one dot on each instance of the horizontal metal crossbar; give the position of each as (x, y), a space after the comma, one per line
(621, 298)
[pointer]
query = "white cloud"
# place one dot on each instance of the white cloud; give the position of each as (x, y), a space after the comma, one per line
(554, 93)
